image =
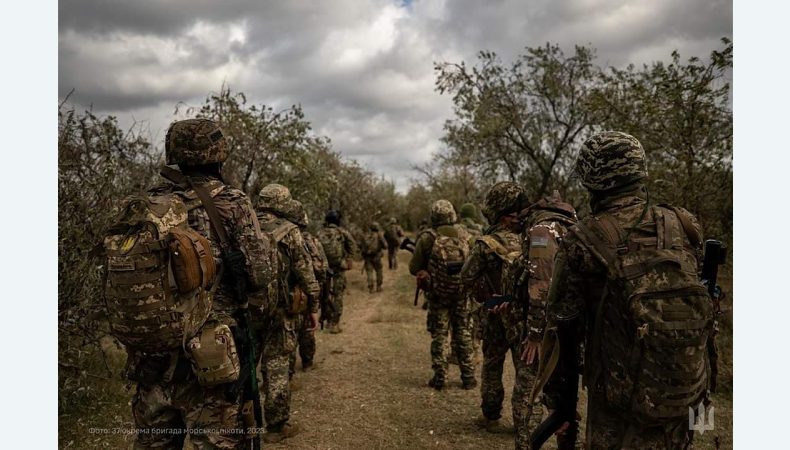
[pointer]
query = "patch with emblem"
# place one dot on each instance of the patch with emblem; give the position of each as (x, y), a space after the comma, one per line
(539, 241)
(128, 243)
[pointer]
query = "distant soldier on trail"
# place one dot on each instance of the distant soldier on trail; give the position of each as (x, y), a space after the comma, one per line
(372, 247)
(438, 257)
(293, 294)
(305, 333)
(339, 248)
(393, 234)
(625, 287)
(490, 260)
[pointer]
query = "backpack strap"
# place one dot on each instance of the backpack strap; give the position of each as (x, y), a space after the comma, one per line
(602, 236)
(692, 233)
(279, 229)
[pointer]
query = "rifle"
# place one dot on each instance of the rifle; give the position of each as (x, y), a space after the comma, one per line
(407, 244)
(234, 267)
(715, 255)
(567, 371)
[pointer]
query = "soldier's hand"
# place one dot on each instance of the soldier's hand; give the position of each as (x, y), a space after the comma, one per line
(530, 350)
(312, 321)
(500, 308)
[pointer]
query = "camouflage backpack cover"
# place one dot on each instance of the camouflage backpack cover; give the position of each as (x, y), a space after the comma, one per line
(331, 239)
(315, 249)
(506, 247)
(371, 243)
(159, 273)
(275, 231)
(448, 254)
(655, 318)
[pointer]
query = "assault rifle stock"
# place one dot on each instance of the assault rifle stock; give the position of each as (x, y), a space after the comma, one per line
(715, 255)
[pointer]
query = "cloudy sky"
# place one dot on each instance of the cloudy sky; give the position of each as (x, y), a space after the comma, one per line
(362, 69)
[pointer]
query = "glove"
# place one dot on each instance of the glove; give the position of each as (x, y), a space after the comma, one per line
(424, 280)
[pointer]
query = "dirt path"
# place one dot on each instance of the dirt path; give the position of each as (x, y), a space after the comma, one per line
(369, 386)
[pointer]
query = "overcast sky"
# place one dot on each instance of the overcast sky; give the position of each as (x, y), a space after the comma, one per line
(362, 69)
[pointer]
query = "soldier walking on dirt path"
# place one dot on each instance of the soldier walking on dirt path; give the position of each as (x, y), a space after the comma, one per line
(393, 235)
(339, 248)
(372, 246)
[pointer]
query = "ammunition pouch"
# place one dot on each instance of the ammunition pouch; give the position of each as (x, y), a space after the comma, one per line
(297, 302)
(214, 355)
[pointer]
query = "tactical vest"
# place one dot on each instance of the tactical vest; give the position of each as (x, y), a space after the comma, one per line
(448, 254)
(334, 247)
(278, 290)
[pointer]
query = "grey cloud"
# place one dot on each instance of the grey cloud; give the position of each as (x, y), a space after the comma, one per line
(363, 71)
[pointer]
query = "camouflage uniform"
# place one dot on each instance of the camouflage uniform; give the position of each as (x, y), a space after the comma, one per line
(393, 236)
(470, 220)
(334, 235)
(543, 226)
(306, 337)
(445, 313)
(373, 247)
(501, 332)
(611, 166)
(278, 325)
(180, 403)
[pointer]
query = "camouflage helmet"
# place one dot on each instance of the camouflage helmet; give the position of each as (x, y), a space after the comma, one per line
(610, 159)
(442, 213)
(468, 211)
(393, 220)
(332, 216)
(195, 142)
(276, 199)
(502, 199)
(374, 226)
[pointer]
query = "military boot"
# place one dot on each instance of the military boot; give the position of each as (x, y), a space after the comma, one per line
(279, 433)
(437, 382)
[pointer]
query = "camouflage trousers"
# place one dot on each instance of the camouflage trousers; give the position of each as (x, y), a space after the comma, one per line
(392, 257)
(305, 341)
(338, 290)
(277, 341)
(607, 429)
(374, 268)
(497, 341)
(168, 410)
(445, 317)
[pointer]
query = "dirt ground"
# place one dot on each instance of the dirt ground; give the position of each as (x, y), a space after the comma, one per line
(369, 387)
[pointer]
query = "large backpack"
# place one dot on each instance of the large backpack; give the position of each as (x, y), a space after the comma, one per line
(275, 232)
(331, 239)
(655, 318)
(447, 257)
(314, 248)
(507, 248)
(371, 243)
(160, 274)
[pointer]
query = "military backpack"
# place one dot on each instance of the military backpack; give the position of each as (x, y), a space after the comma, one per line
(652, 325)
(448, 254)
(159, 273)
(331, 239)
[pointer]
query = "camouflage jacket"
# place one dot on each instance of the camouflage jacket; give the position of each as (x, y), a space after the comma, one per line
(579, 277)
(297, 261)
(424, 245)
(316, 252)
(482, 274)
(472, 227)
(242, 229)
(545, 223)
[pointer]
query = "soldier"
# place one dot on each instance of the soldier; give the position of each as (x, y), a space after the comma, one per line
(543, 225)
(169, 396)
(306, 335)
(393, 234)
(372, 246)
(293, 294)
(626, 277)
(492, 254)
(339, 248)
(470, 219)
(439, 254)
